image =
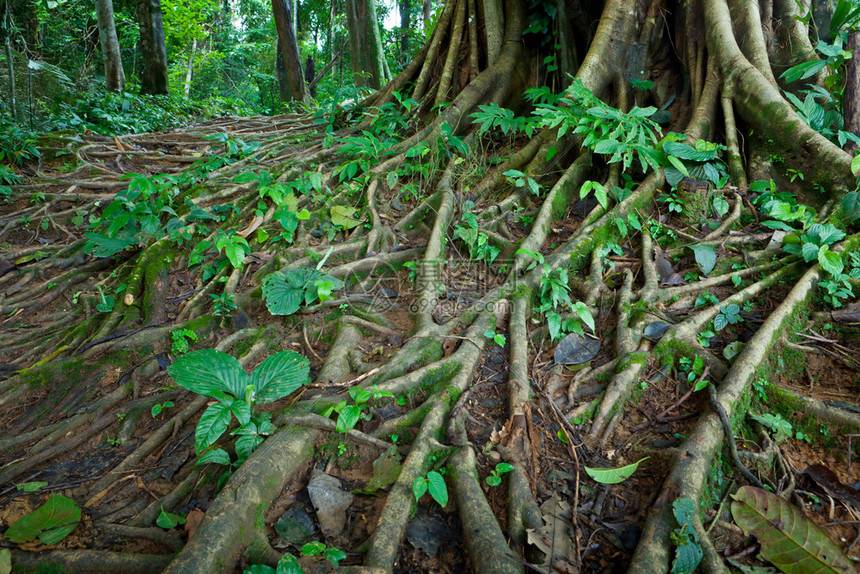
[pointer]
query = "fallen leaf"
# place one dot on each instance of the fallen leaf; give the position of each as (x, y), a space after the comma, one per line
(192, 521)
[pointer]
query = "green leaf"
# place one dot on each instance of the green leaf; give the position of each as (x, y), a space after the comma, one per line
(613, 475)
(213, 423)
(809, 251)
(855, 165)
(851, 204)
(50, 523)
(830, 261)
(679, 165)
(334, 555)
(207, 372)
(789, 540)
(279, 375)
(5, 561)
(437, 488)
(215, 456)
(344, 216)
(706, 257)
(347, 418)
(313, 548)
(31, 486)
(288, 564)
(419, 487)
(168, 520)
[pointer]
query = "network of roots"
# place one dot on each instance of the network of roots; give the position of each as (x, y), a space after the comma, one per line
(520, 303)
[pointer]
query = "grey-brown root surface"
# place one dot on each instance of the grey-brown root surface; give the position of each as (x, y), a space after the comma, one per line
(470, 394)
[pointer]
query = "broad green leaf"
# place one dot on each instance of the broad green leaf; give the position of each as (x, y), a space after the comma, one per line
(241, 411)
(347, 418)
(279, 375)
(211, 426)
(419, 487)
(855, 165)
(851, 204)
(31, 486)
(50, 523)
(215, 456)
(168, 520)
(334, 555)
(789, 540)
(208, 371)
(313, 548)
(288, 564)
(809, 251)
(437, 488)
(344, 216)
(830, 261)
(706, 257)
(679, 165)
(613, 475)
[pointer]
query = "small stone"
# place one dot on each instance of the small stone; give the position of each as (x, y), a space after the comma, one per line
(330, 502)
(655, 330)
(396, 205)
(575, 349)
(388, 293)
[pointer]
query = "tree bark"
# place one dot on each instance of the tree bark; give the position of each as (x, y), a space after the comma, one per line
(425, 13)
(289, 51)
(851, 95)
(10, 65)
(368, 61)
(154, 78)
(405, 7)
(114, 73)
(189, 70)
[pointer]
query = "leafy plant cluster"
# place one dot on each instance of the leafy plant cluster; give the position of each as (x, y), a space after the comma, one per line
(476, 241)
(218, 375)
(554, 293)
(813, 240)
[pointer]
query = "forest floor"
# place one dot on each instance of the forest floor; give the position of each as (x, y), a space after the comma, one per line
(611, 517)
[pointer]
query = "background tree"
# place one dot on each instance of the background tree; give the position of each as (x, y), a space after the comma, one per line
(365, 47)
(289, 51)
(154, 79)
(114, 73)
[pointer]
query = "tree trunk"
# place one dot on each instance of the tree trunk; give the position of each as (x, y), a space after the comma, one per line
(426, 13)
(284, 91)
(310, 74)
(10, 63)
(405, 7)
(154, 79)
(289, 50)
(189, 69)
(368, 60)
(114, 73)
(851, 93)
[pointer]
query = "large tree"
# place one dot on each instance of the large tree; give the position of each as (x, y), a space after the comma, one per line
(294, 88)
(365, 44)
(153, 79)
(428, 249)
(114, 73)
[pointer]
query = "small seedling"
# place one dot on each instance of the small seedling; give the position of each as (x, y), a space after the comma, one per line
(435, 484)
(495, 478)
(158, 408)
